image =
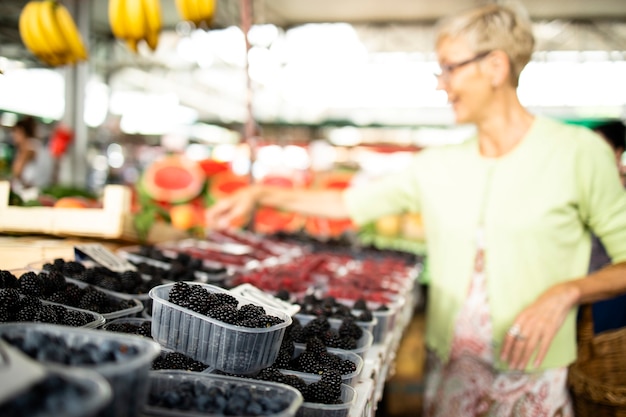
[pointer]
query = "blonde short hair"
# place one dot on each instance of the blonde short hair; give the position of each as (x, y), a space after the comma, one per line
(493, 27)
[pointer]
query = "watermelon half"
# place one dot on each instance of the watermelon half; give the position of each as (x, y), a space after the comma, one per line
(174, 179)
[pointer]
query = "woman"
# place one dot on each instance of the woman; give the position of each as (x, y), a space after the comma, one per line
(507, 217)
(28, 168)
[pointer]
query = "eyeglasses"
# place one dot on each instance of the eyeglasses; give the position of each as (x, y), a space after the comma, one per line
(448, 69)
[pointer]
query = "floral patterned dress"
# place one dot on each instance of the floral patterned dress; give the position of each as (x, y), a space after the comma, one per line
(468, 385)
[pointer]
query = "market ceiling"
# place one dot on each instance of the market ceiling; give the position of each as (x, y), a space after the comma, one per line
(288, 13)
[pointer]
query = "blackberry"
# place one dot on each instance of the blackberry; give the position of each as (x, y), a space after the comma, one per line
(130, 280)
(31, 284)
(58, 297)
(122, 328)
(145, 329)
(296, 382)
(108, 282)
(332, 377)
(27, 313)
(179, 293)
(250, 311)
(266, 321)
(75, 318)
(198, 302)
(347, 367)
(8, 280)
(47, 314)
(360, 304)
(383, 307)
(315, 327)
(315, 345)
(28, 301)
(308, 362)
(271, 374)
(329, 360)
(93, 300)
(319, 392)
(283, 359)
(73, 268)
(146, 286)
(331, 338)
(297, 334)
(88, 275)
(349, 328)
(283, 294)
(9, 298)
(287, 345)
(226, 313)
(366, 315)
(54, 281)
(177, 360)
(74, 294)
(342, 311)
(347, 343)
(226, 299)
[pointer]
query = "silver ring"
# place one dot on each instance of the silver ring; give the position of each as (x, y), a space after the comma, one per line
(515, 331)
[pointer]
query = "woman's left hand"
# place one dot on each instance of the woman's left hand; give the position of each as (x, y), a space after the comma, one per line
(534, 328)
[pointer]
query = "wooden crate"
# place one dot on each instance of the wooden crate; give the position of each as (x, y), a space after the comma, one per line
(113, 221)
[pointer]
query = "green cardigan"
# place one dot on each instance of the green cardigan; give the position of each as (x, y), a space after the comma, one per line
(538, 204)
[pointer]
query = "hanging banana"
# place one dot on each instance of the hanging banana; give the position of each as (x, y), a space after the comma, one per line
(134, 21)
(49, 32)
(199, 12)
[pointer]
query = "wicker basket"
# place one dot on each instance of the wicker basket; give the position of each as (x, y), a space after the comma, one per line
(597, 379)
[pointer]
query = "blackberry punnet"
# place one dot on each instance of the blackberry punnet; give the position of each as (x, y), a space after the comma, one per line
(220, 306)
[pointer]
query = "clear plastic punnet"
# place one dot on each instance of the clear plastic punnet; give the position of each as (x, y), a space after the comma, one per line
(225, 347)
(163, 382)
(123, 360)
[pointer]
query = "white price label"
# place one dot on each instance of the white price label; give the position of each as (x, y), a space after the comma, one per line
(102, 256)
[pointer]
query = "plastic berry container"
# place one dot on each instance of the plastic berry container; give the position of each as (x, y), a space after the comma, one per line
(348, 379)
(163, 382)
(88, 394)
(127, 373)
(225, 347)
(385, 319)
(348, 399)
(362, 345)
(135, 299)
(336, 322)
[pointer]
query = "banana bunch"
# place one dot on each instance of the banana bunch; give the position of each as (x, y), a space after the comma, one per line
(134, 21)
(199, 12)
(50, 33)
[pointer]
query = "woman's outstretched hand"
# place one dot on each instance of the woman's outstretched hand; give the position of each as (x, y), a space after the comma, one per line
(535, 327)
(226, 210)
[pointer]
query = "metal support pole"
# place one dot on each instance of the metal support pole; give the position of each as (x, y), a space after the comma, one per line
(75, 81)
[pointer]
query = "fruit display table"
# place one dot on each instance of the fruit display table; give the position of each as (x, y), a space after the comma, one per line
(377, 353)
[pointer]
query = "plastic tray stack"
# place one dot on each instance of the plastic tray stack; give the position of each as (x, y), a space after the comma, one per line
(228, 348)
(128, 377)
